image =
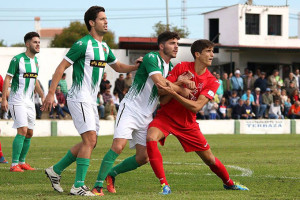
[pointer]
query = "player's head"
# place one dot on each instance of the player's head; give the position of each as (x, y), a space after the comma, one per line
(168, 43)
(32, 42)
(95, 17)
(203, 50)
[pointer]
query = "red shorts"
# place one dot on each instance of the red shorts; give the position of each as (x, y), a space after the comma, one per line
(191, 138)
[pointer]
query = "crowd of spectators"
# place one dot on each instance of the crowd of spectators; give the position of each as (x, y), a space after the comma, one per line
(256, 96)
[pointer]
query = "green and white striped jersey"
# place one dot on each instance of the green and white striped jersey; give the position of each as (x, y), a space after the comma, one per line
(142, 96)
(24, 71)
(89, 58)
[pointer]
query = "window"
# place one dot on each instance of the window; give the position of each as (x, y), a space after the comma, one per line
(274, 24)
(252, 24)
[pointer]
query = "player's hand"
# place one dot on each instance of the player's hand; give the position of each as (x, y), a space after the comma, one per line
(189, 84)
(185, 76)
(137, 62)
(48, 103)
(168, 88)
(4, 105)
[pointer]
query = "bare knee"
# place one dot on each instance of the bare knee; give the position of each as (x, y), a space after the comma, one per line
(29, 133)
(154, 134)
(90, 141)
(118, 145)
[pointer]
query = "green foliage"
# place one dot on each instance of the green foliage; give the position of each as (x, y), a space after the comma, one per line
(275, 171)
(74, 32)
(2, 43)
(159, 27)
(20, 44)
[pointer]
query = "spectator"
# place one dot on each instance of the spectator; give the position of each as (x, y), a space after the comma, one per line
(273, 81)
(238, 110)
(275, 110)
(237, 83)
(258, 106)
(295, 96)
(223, 109)
(61, 100)
(290, 89)
(287, 106)
(1, 83)
(105, 84)
(249, 96)
(267, 99)
(116, 100)
(261, 82)
(38, 104)
(220, 90)
(226, 85)
(106, 96)
(128, 80)
(249, 81)
(290, 79)
(247, 112)
(297, 77)
(203, 113)
(234, 99)
(57, 109)
(63, 85)
(100, 105)
(110, 110)
(246, 73)
(119, 86)
(212, 107)
(257, 74)
(294, 112)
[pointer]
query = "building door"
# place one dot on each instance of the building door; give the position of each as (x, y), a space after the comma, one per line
(214, 32)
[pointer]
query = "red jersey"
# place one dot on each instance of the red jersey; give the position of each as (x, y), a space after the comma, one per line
(206, 84)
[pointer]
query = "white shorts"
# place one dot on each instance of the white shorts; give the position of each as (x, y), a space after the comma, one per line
(23, 115)
(132, 126)
(85, 116)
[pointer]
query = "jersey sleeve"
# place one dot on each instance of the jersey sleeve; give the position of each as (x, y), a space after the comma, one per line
(211, 87)
(76, 51)
(151, 64)
(13, 67)
(111, 59)
(176, 71)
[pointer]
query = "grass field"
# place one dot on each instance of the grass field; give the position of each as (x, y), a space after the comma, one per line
(269, 165)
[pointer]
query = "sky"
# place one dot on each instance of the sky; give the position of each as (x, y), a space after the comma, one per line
(125, 18)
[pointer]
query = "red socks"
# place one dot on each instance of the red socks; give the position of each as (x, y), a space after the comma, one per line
(219, 169)
(156, 161)
(1, 154)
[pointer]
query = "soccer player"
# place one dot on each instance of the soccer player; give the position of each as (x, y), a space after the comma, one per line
(23, 71)
(2, 159)
(135, 112)
(88, 56)
(177, 116)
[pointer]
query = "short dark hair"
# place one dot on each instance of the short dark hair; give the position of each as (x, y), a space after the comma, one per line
(167, 35)
(199, 45)
(91, 14)
(30, 35)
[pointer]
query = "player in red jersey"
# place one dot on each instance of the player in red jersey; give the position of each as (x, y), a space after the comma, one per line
(177, 116)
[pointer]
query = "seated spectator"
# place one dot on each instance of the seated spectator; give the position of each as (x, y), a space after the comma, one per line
(61, 100)
(287, 106)
(295, 96)
(249, 96)
(203, 113)
(220, 91)
(223, 109)
(38, 104)
(233, 99)
(212, 107)
(267, 99)
(110, 110)
(275, 110)
(106, 96)
(294, 112)
(290, 79)
(100, 105)
(258, 107)
(290, 88)
(238, 110)
(116, 100)
(247, 112)
(105, 84)
(63, 85)
(57, 109)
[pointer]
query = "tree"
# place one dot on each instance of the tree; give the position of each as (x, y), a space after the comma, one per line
(74, 32)
(159, 27)
(20, 44)
(2, 43)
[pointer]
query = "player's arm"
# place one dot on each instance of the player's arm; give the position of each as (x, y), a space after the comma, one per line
(49, 100)
(5, 93)
(123, 68)
(39, 90)
(194, 106)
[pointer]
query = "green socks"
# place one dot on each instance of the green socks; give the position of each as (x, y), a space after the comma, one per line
(127, 165)
(25, 149)
(105, 167)
(67, 160)
(17, 148)
(81, 170)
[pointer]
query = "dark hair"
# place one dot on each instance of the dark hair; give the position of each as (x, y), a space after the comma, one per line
(91, 14)
(165, 36)
(199, 45)
(30, 35)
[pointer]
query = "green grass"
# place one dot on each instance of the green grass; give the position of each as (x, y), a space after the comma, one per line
(270, 166)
